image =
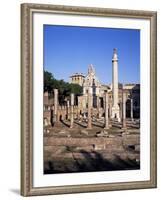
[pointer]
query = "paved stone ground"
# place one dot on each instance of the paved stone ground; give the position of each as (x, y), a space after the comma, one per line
(81, 150)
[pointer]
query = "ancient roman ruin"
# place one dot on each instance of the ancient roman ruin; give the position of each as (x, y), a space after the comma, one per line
(102, 121)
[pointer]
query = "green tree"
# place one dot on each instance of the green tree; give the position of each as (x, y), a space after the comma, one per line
(65, 88)
(48, 81)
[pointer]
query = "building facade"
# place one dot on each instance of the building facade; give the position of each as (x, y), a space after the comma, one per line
(77, 78)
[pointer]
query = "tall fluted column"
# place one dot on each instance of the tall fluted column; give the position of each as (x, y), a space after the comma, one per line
(124, 110)
(98, 107)
(89, 125)
(72, 111)
(55, 105)
(132, 110)
(68, 110)
(106, 111)
(110, 110)
(115, 106)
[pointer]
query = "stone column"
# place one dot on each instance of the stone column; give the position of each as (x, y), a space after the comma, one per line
(78, 113)
(124, 110)
(72, 111)
(89, 125)
(110, 110)
(121, 111)
(55, 105)
(98, 106)
(68, 110)
(115, 107)
(106, 111)
(132, 119)
(97, 102)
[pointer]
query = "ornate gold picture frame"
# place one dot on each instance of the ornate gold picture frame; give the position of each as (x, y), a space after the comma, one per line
(28, 11)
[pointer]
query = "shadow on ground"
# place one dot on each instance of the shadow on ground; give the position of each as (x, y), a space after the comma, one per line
(89, 162)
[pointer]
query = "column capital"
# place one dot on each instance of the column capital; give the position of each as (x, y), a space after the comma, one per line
(115, 57)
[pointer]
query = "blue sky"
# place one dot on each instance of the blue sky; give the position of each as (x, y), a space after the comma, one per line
(69, 49)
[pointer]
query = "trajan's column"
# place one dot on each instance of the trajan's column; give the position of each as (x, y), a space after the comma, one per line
(115, 106)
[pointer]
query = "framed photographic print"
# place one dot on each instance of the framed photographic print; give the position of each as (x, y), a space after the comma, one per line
(88, 99)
